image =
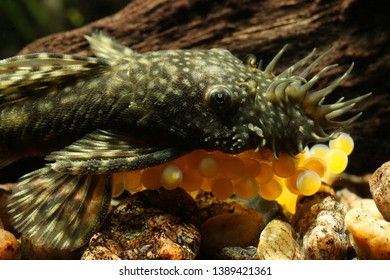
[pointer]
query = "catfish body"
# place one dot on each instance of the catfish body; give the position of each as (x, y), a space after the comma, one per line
(122, 97)
(125, 111)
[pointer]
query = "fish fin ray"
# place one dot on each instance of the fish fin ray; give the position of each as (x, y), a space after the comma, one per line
(59, 210)
(25, 76)
(106, 152)
(105, 47)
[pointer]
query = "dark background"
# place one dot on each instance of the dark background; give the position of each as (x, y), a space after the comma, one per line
(23, 21)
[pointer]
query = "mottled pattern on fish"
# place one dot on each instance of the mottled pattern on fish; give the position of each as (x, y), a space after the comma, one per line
(126, 110)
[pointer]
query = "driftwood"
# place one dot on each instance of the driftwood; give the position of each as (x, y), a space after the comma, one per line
(357, 29)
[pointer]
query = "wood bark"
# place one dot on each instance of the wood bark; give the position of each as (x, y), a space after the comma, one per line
(358, 30)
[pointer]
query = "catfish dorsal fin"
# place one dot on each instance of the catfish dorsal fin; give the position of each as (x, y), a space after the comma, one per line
(105, 47)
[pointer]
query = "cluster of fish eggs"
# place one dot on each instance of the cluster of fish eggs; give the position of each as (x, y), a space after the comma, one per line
(246, 174)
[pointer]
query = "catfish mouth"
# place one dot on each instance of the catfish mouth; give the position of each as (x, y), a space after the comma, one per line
(239, 140)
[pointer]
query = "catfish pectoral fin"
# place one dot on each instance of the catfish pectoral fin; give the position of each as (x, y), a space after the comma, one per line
(105, 151)
(59, 210)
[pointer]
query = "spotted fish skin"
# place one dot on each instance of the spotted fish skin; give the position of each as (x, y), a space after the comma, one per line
(126, 110)
(38, 114)
(159, 93)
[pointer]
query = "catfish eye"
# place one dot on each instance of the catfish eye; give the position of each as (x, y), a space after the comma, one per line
(219, 98)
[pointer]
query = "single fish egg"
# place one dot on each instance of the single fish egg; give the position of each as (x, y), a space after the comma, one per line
(171, 177)
(344, 142)
(308, 182)
(316, 164)
(209, 166)
(132, 180)
(337, 160)
(192, 180)
(271, 190)
(222, 188)
(151, 178)
(246, 188)
(232, 167)
(284, 166)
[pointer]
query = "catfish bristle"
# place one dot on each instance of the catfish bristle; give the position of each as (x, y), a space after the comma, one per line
(298, 65)
(298, 113)
(311, 66)
(270, 67)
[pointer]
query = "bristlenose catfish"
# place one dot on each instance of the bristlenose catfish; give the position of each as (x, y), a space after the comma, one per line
(126, 110)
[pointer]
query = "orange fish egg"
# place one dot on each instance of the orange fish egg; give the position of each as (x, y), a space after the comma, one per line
(251, 167)
(291, 182)
(246, 188)
(284, 166)
(316, 164)
(192, 180)
(266, 173)
(151, 178)
(132, 180)
(271, 190)
(222, 188)
(232, 167)
(209, 166)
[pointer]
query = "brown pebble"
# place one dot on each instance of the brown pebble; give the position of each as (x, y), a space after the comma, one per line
(320, 228)
(380, 189)
(228, 230)
(148, 225)
(8, 246)
(226, 223)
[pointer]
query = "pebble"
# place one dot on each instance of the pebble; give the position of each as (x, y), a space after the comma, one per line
(380, 189)
(319, 223)
(8, 246)
(226, 223)
(277, 242)
(368, 206)
(148, 225)
(370, 236)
